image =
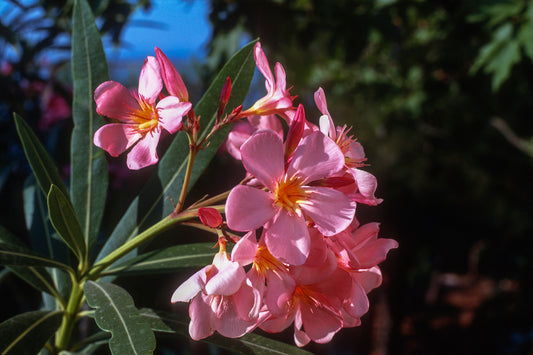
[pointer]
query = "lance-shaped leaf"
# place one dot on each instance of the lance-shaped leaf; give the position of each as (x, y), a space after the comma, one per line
(89, 174)
(167, 259)
(36, 277)
(116, 313)
(152, 204)
(28, 332)
(65, 221)
(43, 167)
(248, 344)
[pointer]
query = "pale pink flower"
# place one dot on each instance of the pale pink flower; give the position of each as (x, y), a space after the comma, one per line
(141, 117)
(221, 299)
(277, 100)
(292, 199)
(365, 184)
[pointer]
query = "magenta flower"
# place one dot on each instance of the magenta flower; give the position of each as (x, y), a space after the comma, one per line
(222, 300)
(292, 199)
(140, 117)
(277, 100)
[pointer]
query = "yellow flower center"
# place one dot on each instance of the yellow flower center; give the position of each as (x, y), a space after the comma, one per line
(290, 194)
(146, 117)
(264, 261)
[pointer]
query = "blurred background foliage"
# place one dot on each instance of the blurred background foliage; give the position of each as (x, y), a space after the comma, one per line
(439, 94)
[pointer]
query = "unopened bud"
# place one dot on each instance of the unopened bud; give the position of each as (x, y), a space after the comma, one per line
(210, 217)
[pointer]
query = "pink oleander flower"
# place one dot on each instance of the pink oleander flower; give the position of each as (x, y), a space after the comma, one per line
(244, 129)
(140, 117)
(221, 299)
(365, 184)
(277, 100)
(291, 200)
(171, 77)
(314, 304)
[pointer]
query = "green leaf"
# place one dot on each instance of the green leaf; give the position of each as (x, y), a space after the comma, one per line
(152, 204)
(92, 343)
(11, 254)
(89, 177)
(28, 332)
(116, 313)
(168, 322)
(43, 167)
(36, 277)
(65, 222)
(167, 259)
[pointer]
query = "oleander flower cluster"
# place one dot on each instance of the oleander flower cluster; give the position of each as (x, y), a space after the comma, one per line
(300, 255)
(302, 258)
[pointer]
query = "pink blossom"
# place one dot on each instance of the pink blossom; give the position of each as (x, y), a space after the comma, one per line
(171, 77)
(221, 299)
(365, 184)
(292, 199)
(277, 100)
(140, 117)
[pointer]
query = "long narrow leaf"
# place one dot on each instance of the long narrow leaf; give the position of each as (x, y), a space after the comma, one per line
(65, 221)
(28, 332)
(167, 259)
(43, 167)
(89, 177)
(116, 313)
(14, 255)
(152, 204)
(248, 344)
(36, 277)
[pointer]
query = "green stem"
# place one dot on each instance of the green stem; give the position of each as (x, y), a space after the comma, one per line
(193, 152)
(74, 304)
(141, 239)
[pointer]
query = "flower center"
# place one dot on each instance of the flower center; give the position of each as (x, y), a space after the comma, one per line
(264, 261)
(146, 117)
(290, 194)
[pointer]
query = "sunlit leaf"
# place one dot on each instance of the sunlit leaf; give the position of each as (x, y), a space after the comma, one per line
(89, 177)
(65, 221)
(27, 333)
(116, 313)
(152, 204)
(167, 259)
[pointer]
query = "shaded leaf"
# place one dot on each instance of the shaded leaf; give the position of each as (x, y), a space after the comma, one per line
(28, 332)
(65, 221)
(89, 176)
(116, 313)
(11, 254)
(36, 277)
(152, 204)
(168, 322)
(167, 259)
(43, 167)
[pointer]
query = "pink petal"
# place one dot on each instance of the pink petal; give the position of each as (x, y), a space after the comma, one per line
(230, 325)
(201, 325)
(320, 323)
(287, 238)
(279, 293)
(115, 101)
(190, 288)
(240, 132)
(369, 279)
(330, 209)
(262, 156)
(357, 304)
(171, 77)
(262, 64)
(321, 104)
(367, 185)
(247, 302)
(316, 157)
(227, 281)
(248, 208)
(116, 138)
(144, 153)
(245, 250)
(281, 83)
(150, 84)
(170, 111)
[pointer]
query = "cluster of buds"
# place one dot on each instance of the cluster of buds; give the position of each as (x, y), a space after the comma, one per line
(303, 257)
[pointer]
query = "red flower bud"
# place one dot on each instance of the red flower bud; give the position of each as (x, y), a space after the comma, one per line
(210, 217)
